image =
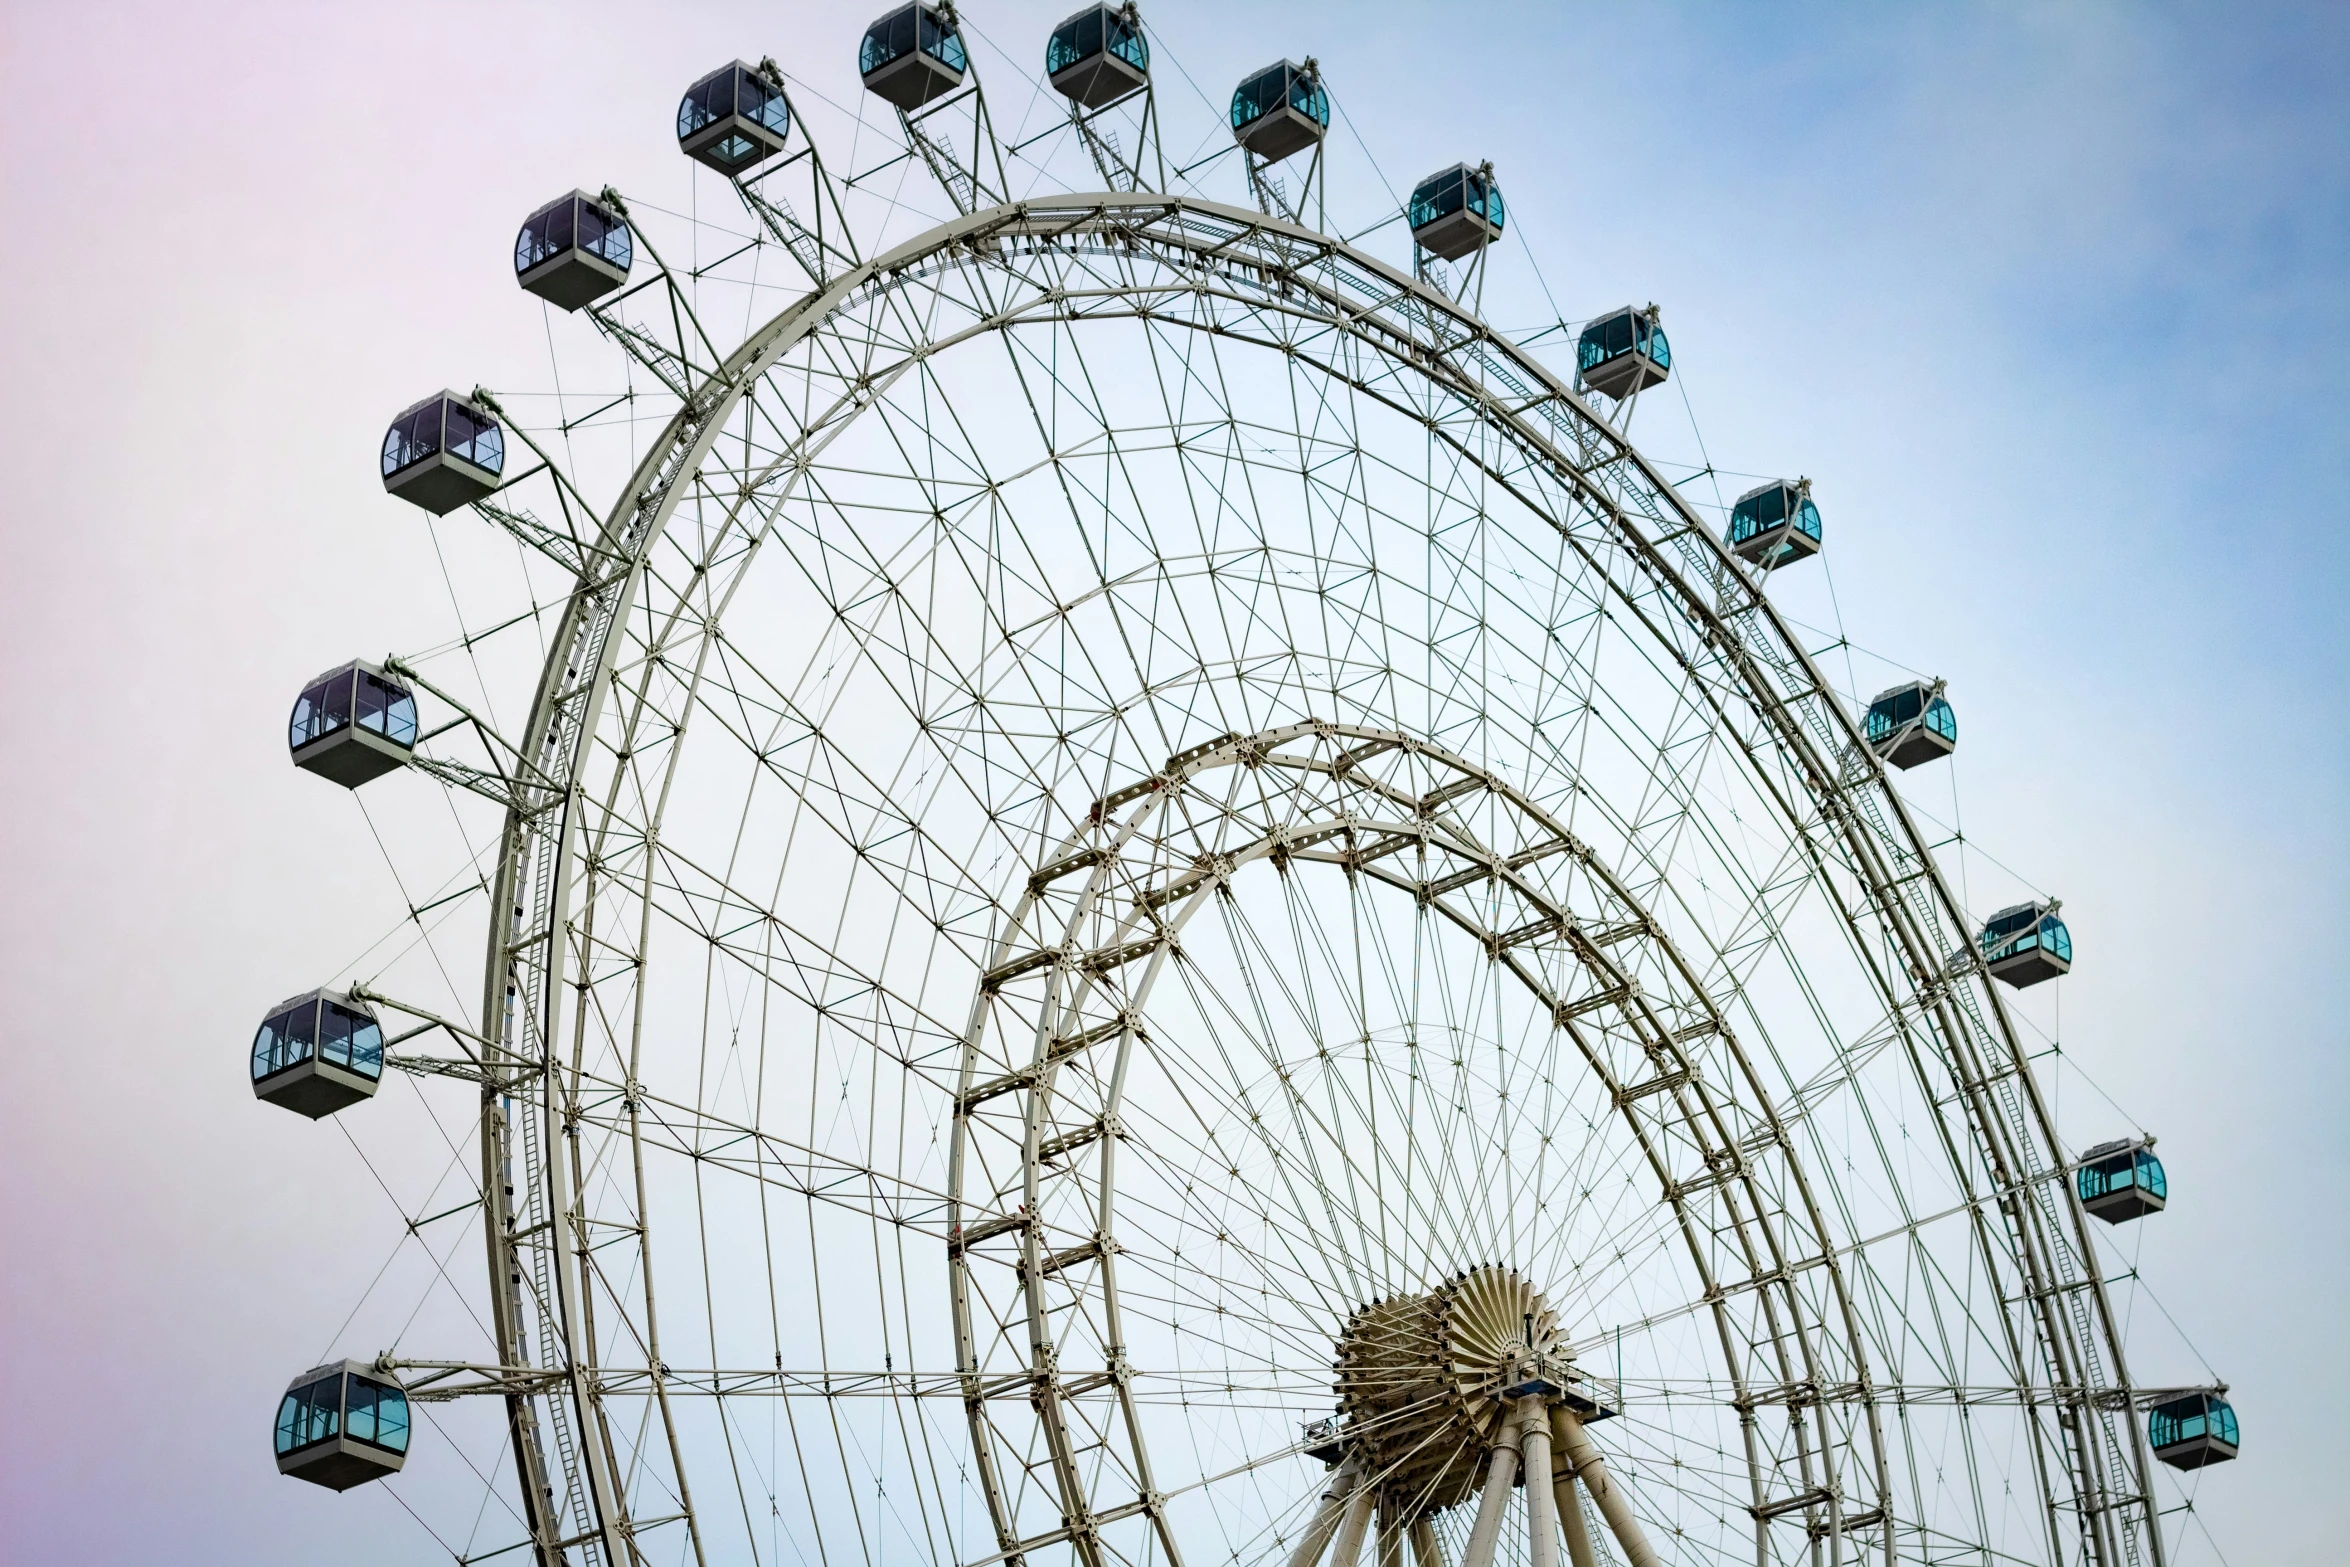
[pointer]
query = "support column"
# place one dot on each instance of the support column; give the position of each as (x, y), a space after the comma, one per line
(1390, 1536)
(1569, 1503)
(1316, 1539)
(1424, 1551)
(1614, 1506)
(1356, 1524)
(1499, 1472)
(1542, 1524)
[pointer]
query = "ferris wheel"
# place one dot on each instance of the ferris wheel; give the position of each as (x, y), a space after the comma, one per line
(1152, 900)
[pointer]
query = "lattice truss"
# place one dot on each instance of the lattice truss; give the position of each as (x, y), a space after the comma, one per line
(1123, 781)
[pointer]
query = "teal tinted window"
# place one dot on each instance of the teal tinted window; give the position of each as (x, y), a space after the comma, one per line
(2009, 924)
(1439, 197)
(1657, 348)
(1274, 86)
(1258, 96)
(1088, 33)
(2191, 1419)
(287, 1039)
(1310, 98)
(2118, 1173)
(1609, 338)
(350, 1039)
(310, 1414)
(1486, 198)
(1807, 517)
(377, 1415)
(1942, 720)
(1758, 513)
(1127, 44)
(1898, 709)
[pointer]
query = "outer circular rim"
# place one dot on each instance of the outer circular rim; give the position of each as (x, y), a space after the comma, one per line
(1801, 741)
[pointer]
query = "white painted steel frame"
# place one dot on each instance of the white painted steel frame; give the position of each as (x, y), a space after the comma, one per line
(591, 733)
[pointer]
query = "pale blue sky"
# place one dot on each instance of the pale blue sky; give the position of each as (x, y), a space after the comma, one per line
(2053, 303)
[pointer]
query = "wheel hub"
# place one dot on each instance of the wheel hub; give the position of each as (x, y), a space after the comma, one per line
(1419, 1378)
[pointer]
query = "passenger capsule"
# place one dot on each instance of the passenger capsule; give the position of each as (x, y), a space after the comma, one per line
(1099, 55)
(352, 724)
(1280, 110)
(2121, 1181)
(733, 118)
(1623, 352)
(1775, 524)
(1457, 212)
(443, 453)
(2026, 944)
(912, 55)
(1910, 724)
(572, 250)
(316, 1053)
(2189, 1432)
(340, 1425)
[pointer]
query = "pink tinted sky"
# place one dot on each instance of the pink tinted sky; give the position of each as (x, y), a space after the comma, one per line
(2058, 297)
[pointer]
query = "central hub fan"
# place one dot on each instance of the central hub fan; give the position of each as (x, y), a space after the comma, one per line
(1418, 1375)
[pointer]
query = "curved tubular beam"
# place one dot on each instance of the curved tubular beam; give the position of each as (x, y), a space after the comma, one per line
(1592, 1471)
(1344, 1482)
(1704, 609)
(1542, 1523)
(1501, 1469)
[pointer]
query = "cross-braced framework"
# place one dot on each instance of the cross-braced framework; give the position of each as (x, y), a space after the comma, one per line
(1129, 813)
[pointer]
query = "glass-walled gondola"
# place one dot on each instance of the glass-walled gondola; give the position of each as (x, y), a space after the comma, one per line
(1775, 524)
(733, 118)
(443, 452)
(1282, 109)
(2121, 1181)
(1456, 212)
(317, 1052)
(573, 250)
(2189, 1432)
(340, 1425)
(912, 55)
(1098, 56)
(1623, 352)
(352, 724)
(1910, 724)
(2026, 944)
